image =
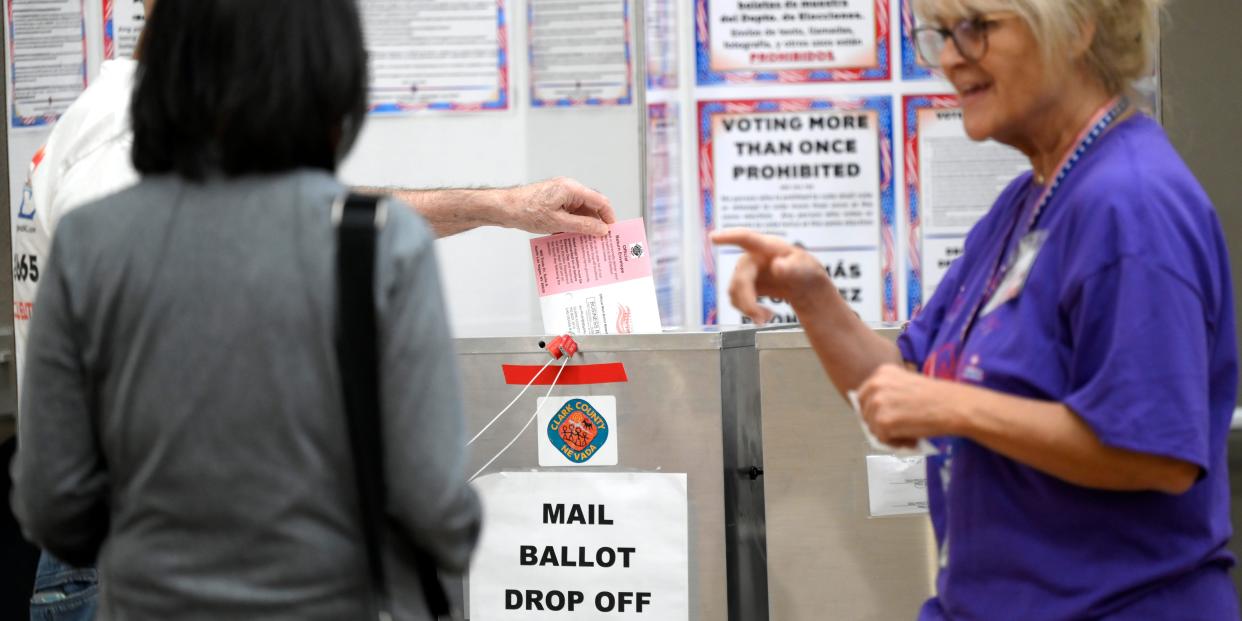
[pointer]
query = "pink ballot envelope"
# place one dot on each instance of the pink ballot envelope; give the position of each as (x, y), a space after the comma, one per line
(596, 285)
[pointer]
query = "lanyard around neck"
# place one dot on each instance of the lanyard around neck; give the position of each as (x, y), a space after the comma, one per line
(1100, 122)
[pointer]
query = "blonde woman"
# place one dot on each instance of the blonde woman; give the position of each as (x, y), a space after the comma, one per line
(1076, 367)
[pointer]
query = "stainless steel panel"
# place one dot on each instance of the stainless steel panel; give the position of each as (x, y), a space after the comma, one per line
(690, 405)
(827, 559)
(1201, 85)
(1235, 502)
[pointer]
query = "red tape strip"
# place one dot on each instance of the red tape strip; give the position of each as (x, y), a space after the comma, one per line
(576, 374)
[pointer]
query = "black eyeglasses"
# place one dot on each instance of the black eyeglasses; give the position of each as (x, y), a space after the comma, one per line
(970, 37)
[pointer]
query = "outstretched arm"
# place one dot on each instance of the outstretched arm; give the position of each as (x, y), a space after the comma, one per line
(847, 348)
(559, 205)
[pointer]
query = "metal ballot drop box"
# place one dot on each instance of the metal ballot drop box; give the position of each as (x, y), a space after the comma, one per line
(690, 405)
(827, 558)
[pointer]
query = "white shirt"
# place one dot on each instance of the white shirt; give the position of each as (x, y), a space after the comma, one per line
(87, 157)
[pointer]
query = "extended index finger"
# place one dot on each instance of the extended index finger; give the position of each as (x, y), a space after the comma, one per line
(751, 241)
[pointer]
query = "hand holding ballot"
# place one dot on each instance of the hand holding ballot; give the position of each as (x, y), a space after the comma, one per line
(596, 285)
(559, 205)
(774, 268)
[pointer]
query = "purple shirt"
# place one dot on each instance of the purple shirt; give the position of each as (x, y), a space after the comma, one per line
(1126, 317)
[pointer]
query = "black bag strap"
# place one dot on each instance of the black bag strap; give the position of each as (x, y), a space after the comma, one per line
(358, 219)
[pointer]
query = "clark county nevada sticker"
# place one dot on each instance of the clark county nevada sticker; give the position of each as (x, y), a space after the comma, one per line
(579, 431)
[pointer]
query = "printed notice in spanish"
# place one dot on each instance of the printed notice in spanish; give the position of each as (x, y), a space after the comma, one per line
(773, 35)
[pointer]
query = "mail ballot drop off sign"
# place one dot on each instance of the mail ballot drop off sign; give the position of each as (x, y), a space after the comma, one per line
(574, 545)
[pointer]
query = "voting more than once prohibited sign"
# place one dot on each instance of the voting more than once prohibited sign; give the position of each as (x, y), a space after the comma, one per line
(575, 546)
(817, 173)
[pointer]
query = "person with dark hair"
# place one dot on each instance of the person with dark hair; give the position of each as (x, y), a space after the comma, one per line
(182, 424)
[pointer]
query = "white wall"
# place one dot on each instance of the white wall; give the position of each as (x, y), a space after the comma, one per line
(487, 273)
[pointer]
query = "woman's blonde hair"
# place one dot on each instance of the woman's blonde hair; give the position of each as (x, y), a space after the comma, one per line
(1126, 31)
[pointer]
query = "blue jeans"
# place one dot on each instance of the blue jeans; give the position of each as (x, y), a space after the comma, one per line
(63, 592)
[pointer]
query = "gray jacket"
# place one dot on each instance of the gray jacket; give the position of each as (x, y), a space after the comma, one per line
(181, 416)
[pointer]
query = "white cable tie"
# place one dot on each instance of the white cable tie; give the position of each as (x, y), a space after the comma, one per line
(515, 399)
(524, 427)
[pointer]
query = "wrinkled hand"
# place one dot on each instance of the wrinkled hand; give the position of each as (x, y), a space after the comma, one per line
(559, 205)
(901, 406)
(771, 267)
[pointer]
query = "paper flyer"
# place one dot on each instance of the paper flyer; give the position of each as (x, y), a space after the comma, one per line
(951, 181)
(123, 22)
(47, 56)
(817, 173)
(665, 209)
(449, 55)
(580, 53)
(748, 41)
(662, 50)
(896, 485)
(596, 285)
